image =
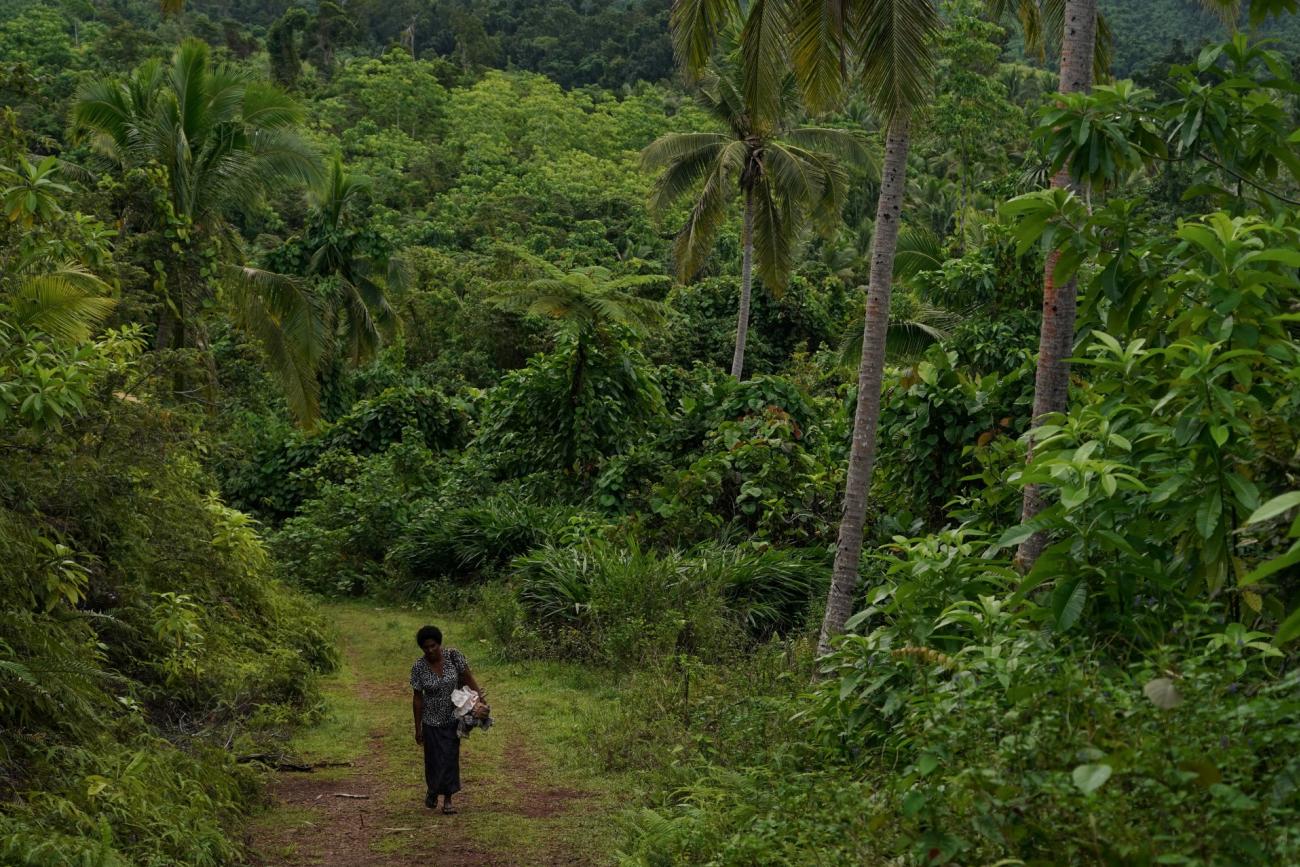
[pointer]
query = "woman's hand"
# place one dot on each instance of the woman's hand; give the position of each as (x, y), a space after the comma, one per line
(419, 735)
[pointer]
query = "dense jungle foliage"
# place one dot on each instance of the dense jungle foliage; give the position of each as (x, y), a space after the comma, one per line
(443, 300)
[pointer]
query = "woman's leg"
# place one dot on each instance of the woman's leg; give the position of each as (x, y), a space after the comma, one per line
(431, 773)
(441, 763)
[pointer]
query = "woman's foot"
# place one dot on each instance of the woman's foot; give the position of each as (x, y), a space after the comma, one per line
(447, 808)
(431, 801)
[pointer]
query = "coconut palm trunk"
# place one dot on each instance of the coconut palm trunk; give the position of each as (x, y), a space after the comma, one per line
(1060, 302)
(746, 285)
(866, 419)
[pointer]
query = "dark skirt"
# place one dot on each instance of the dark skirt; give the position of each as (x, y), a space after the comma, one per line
(442, 759)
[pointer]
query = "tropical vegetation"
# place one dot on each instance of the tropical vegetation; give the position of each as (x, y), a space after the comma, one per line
(895, 402)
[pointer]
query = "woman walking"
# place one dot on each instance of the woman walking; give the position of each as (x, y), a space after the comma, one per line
(433, 678)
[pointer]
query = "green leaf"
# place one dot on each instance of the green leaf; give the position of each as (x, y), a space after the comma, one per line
(1015, 535)
(1162, 693)
(1289, 630)
(1277, 564)
(849, 684)
(1274, 507)
(852, 622)
(1090, 778)
(1290, 258)
(1067, 602)
(1108, 484)
(1244, 490)
(1208, 515)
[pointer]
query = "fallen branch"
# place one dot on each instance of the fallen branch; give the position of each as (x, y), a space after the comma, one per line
(354, 797)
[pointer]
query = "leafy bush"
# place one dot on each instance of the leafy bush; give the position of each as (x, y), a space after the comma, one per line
(472, 542)
(339, 539)
(762, 466)
(959, 727)
(121, 800)
(936, 419)
(276, 478)
(141, 625)
(621, 605)
(569, 409)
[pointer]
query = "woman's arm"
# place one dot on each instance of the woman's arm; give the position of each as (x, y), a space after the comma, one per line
(417, 705)
(468, 677)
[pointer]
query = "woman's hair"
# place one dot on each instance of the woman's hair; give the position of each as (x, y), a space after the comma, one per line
(427, 632)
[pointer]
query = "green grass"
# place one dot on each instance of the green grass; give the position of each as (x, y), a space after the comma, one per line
(530, 784)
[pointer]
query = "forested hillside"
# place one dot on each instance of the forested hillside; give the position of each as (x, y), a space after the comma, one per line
(1151, 31)
(895, 414)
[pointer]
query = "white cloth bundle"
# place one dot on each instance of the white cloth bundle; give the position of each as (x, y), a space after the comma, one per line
(463, 699)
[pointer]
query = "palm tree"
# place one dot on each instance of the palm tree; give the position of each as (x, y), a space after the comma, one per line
(1084, 41)
(891, 42)
(223, 140)
(358, 312)
(784, 173)
(586, 304)
(594, 312)
(1079, 29)
(885, 45)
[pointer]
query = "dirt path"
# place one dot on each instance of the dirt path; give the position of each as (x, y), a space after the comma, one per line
(527, 800)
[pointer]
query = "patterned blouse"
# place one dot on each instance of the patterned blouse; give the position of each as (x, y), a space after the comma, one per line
(437, 690)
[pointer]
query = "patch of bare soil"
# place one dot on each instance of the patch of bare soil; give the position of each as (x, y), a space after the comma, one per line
(321, 827)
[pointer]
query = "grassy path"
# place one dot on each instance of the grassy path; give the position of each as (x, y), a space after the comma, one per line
(530, 795)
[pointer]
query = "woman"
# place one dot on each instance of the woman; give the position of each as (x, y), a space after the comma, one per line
(433, 677)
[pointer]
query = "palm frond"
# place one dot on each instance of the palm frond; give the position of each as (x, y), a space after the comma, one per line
(375, 297)
(677, 146)
(1030, 15)
(685, 159)
(819, 50)
(189, 86)
(359, 328)
(283, 156)
(911, 332)
(694, 26)
(847, 147)
(776, 220)
(66, 303)
(763, 60)
(287, 320)
(791, 174)
(826, 209)
(265, 106)
(337, 190)
(695, 240)
(896, 47)
(918, 249)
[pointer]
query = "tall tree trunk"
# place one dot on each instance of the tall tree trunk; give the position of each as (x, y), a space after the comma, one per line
(866, 419)
(746, 283)
(1056, 336)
